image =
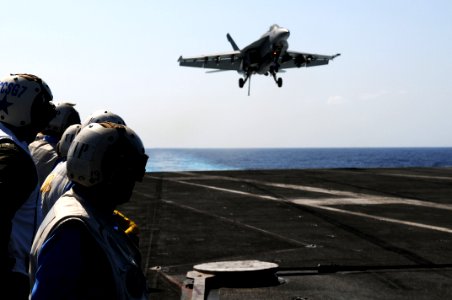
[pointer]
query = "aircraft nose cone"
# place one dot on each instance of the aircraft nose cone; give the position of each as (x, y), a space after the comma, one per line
(285, 33)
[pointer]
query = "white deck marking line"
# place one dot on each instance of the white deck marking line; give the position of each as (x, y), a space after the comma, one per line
(350, 197)
(371, 200)
(391, 220)
(300, 202)
(282, 185)
(415, 176)
(228, 190)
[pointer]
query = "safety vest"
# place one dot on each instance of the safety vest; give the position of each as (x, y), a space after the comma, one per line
(54, 186)
(120, 251)
(44, 155)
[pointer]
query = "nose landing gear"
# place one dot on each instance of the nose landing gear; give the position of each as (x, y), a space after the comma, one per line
(277, 80)
(242, 81)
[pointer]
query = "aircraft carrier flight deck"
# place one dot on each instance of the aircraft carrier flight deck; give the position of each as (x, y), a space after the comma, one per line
(296, 234)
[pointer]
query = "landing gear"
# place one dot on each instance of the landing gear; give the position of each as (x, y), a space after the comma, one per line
(277, 80)
(242, 82)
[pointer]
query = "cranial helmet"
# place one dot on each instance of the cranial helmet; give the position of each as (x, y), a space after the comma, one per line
(66, 115)
(103, 116)
(104, 153)
(66, 140)
(25, 99)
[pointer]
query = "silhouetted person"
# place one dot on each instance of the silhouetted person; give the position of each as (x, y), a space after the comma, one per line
(57, 182)
(78, 251)
(25, 109)
(43, 149)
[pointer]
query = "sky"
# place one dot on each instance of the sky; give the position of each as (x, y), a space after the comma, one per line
(391, 86)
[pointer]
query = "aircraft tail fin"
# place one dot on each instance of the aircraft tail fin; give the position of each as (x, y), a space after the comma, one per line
(234, 45)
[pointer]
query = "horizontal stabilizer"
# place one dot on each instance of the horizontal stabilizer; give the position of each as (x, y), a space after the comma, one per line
(216, 71)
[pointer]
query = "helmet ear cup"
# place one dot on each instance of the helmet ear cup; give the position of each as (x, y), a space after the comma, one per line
(42, 112)
(114, 164)
(123, 162)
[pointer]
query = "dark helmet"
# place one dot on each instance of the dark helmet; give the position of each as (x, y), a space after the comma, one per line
(66, 115)
(103, 116)
(66, 140)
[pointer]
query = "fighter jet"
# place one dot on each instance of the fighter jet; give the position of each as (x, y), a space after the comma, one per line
(266, 56)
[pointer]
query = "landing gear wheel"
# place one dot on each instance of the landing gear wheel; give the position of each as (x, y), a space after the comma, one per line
(279, 82)
(241, 82)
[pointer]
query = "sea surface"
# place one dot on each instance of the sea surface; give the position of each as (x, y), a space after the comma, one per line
(209, 159)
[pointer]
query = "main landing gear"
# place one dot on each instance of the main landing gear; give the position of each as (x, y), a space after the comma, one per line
(242, 82)
(277, 80)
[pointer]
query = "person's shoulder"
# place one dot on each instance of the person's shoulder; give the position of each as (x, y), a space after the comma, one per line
(7, 144)
(71, 229)
(73, 223)
(42, 144)
(13, 155)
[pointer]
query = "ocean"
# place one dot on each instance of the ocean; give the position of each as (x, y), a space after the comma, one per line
(209, 159)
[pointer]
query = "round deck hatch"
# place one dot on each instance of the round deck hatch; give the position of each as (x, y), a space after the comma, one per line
(235, 266)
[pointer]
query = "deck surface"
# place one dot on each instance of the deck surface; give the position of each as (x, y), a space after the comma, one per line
(334, 233)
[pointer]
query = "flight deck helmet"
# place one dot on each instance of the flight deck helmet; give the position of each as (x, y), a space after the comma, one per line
(66, 115)
(106, 153)
(66, 139)
(103, 116)
(25, 100)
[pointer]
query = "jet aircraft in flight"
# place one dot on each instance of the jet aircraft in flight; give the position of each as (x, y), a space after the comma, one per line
(268, 55)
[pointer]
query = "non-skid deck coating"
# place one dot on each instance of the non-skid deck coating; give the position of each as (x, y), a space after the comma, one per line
(334, 233)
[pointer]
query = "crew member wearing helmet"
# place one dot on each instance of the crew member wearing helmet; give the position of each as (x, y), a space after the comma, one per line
(43, 149)
(25, 109)
(77, 250)
(103, 116)
(57, 182)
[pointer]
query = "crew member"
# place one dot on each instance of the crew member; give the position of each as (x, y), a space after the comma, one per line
(78, 252)
(25, 110)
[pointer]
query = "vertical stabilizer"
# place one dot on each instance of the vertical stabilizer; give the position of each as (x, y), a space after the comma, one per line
(234, 45)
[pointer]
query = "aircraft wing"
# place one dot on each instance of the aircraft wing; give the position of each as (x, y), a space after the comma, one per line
(222, 61)
(293, 59)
